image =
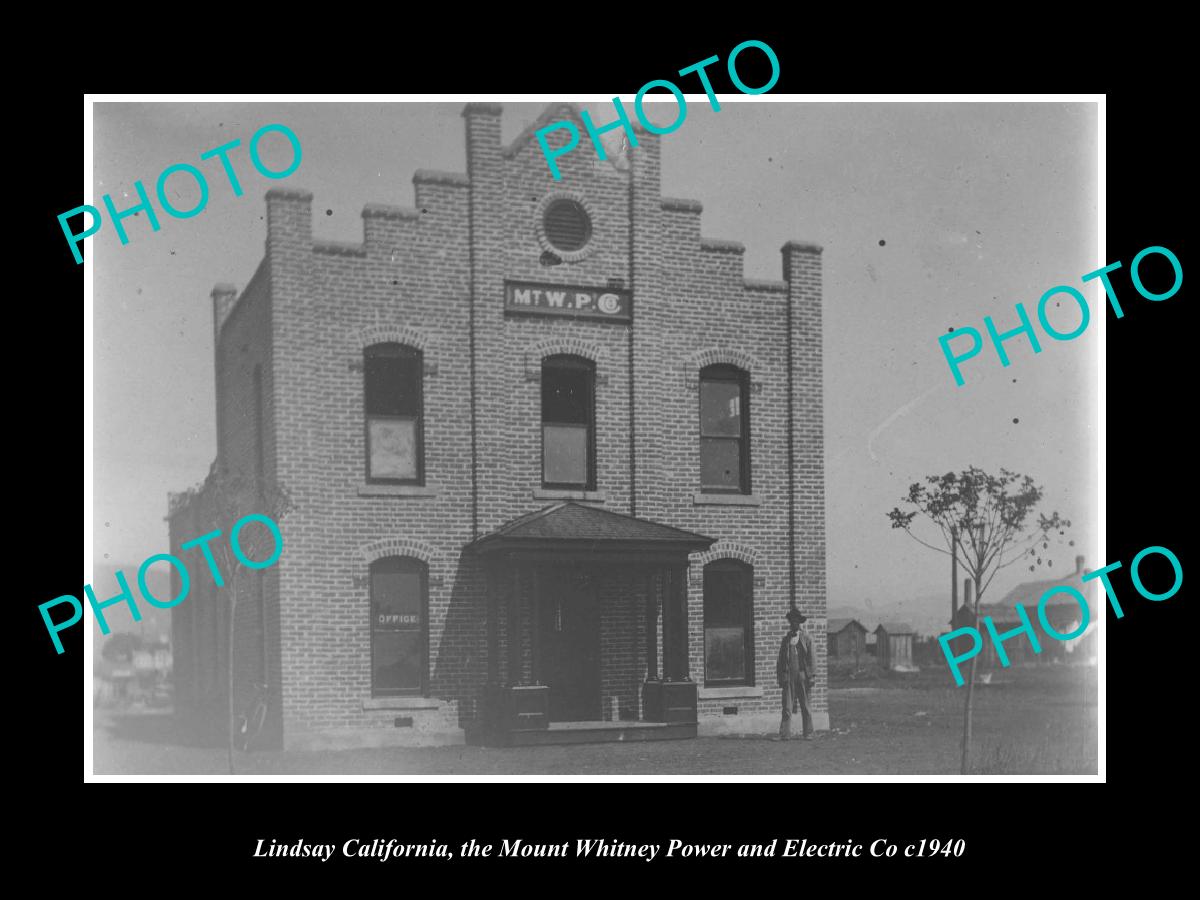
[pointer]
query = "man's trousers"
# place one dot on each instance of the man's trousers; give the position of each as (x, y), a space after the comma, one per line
(795, 697)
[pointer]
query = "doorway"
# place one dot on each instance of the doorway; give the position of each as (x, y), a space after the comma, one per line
(569, 632)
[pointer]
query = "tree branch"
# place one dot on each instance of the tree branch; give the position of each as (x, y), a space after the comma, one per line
(924, 544)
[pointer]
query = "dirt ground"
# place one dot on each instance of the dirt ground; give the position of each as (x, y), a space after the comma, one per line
(1037, 720)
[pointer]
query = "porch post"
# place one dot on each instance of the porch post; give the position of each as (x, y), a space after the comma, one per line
(668, 617)
(679, 622)
(674, 623)
(493, 624)
(674, 699)
(651, 627)
(514, 626)
(535, 634)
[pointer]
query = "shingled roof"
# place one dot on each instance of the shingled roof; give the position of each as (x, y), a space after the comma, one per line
(1061, 609)
(569, 523)
(1029, 593)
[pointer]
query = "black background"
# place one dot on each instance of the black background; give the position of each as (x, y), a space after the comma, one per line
(1008, 828)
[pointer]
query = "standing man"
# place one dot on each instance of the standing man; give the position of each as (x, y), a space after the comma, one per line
(794, 672)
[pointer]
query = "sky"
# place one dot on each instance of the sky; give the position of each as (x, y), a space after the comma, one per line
(932, 215)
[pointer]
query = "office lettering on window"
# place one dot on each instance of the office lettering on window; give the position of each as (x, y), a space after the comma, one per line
(728, 623)
(568, 423)
(724, 430)
(398, 626)
(394, 410)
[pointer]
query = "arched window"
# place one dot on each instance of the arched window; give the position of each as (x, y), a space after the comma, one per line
(399, 633)
(728, 623)
(568, 423)
(393, 397)
(724, 430)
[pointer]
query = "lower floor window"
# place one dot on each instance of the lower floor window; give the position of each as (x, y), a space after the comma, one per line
(728, 623)
(398, 626)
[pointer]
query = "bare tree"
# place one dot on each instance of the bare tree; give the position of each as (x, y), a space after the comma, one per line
(983, 521)
(225, 498)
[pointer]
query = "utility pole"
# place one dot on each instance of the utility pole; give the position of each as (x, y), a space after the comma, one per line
(953, 574)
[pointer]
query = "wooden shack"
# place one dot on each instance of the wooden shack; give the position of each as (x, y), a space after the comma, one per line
(894, 643)
(847, 640)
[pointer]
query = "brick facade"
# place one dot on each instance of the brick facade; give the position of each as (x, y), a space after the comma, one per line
(433, 278)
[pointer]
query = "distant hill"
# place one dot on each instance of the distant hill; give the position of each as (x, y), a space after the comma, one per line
(154, 622)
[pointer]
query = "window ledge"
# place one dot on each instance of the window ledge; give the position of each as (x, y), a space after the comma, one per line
(726, 500)
(401, 703)
(548, 494)
(397, 490)
(728, 693)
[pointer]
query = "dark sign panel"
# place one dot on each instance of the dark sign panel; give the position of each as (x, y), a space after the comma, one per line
(607, 304)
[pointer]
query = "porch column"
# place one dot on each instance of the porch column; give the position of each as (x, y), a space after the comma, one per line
(535, 633)
(679, 620)
(667, 617)
(492, 586)
(514, 626)
(651, 627)
(674, 624)
(673, 699)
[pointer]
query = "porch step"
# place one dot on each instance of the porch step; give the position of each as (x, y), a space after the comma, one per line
(601, 732)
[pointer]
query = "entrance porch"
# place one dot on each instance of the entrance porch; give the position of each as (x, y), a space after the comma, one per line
(587, 631)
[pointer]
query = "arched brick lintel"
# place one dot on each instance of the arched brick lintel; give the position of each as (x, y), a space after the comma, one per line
(398, 546)
(712, 356)
(407, 335)
(391, 334)
(725, 550)
(569, 346)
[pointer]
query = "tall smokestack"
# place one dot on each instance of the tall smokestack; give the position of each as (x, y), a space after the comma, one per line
(1079, 565)
(967, 585)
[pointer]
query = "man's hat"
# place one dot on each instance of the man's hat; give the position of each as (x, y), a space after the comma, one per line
(795, 617)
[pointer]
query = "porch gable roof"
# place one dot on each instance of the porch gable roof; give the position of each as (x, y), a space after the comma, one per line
(573, 526)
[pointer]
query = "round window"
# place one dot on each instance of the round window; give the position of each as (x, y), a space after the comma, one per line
(566, 225)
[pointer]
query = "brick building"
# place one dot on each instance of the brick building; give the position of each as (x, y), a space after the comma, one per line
(553, 461)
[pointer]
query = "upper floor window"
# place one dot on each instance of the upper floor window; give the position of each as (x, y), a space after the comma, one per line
(568, 423)
(399, 608)
(728, 623)
(724, 430)
(393, 392)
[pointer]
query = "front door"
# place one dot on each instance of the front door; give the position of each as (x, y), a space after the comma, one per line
(570, 644)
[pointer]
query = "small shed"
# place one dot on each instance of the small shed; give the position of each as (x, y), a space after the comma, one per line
(894, 642)
(847, 639)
